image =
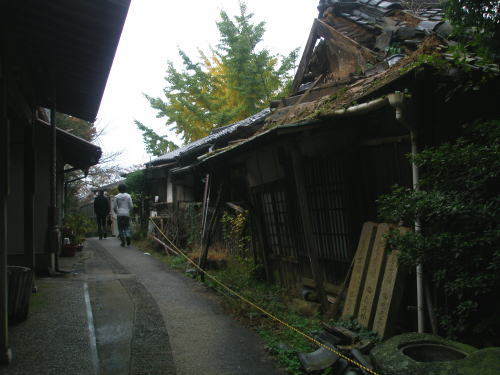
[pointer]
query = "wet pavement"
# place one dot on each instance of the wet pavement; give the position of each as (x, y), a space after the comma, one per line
(124, 312)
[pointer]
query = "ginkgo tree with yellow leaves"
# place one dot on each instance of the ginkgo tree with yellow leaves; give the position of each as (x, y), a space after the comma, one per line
(234, 81)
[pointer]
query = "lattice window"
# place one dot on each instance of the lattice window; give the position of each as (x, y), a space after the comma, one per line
(326, 189)
(276, 216)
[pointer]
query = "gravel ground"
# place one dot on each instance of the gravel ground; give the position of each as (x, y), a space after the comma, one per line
(55, 338)
(203, 339)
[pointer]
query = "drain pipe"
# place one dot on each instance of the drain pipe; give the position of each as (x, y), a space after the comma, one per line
(397, 101)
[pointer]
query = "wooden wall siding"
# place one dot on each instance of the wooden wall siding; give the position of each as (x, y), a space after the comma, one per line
(342, 192)
(379, 168)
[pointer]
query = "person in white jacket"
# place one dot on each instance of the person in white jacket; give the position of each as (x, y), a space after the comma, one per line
(123, 207)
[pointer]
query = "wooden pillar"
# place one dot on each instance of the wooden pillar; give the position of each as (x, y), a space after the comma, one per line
(310, 242)
(29, 191)
(5, 352)
(261, 234)
(53, 212)
(210, 232)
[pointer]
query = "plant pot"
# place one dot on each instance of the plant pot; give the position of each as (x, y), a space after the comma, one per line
(69, 250)
(20, 286)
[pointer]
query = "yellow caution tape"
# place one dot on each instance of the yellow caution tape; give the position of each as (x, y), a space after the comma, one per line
(275, 318)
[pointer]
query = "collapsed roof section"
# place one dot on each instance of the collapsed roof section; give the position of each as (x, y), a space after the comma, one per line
(357, 51)
(364, 37)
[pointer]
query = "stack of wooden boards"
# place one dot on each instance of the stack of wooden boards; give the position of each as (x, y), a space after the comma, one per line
(377, 282)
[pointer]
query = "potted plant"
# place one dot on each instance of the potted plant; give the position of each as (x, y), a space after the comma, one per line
(74, 230)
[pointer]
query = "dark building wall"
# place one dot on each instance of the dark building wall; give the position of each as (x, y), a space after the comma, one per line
(344, 173)
(15, 200)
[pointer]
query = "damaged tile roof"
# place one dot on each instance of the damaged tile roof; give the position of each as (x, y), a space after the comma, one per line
(381, 31)
(218, 136)
(355, 50)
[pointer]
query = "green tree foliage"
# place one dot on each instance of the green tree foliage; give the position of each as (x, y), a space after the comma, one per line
(76, 126)
(459, 208)
(98, 175)
(156, 145)
(234, 82)
(137, 188)
(477, 20)
(136, 185)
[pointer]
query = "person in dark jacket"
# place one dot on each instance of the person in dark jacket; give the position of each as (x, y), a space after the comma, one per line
(101, 209)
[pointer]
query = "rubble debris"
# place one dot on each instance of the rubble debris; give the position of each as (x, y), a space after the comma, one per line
(318, 360)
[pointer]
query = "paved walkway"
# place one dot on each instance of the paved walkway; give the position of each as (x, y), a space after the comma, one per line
(141, 317)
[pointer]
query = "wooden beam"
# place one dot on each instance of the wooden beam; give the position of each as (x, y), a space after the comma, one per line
(361, 261)
(374, 277)
(202, 261)
(391, 294)
(5, 352)
(306, 56)
(165, 246)
(312, 94)
(310, 241)
(386, 140)
(345, 43)
(329, 287)
(333, 310)
(29, 192)
(261, 234)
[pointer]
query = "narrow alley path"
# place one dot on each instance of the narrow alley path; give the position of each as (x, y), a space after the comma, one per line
(120, 311)
(152, 320)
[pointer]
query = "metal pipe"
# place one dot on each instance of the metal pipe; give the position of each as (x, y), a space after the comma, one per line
(417, 228)
(397, 101)
(360, 108)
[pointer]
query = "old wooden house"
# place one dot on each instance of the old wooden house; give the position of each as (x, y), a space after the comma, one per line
(53, 55)
(362, 99)
(174, 180)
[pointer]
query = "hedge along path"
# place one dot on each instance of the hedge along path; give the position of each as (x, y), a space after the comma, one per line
(262, 310)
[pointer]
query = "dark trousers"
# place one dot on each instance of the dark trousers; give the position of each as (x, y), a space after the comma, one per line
(123, 227)
(101, 226)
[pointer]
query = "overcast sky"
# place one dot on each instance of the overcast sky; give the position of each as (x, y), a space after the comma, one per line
(152, 32)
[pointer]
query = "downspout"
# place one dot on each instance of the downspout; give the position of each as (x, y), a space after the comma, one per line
(397, 101)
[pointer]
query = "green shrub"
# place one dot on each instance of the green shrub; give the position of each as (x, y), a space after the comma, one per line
(76, 227)
(459, 208)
